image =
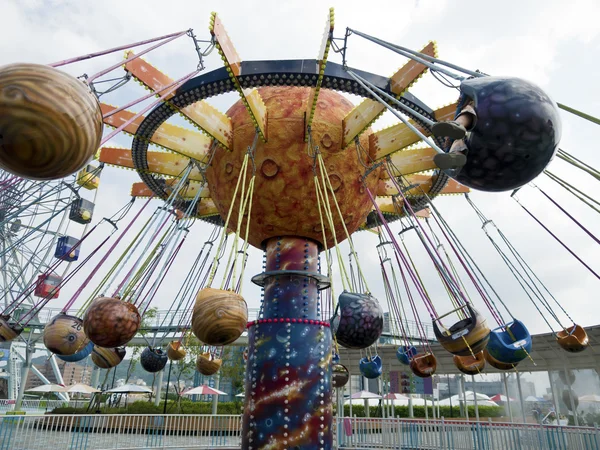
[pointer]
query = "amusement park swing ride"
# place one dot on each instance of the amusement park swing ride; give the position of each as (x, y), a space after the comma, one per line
(293, 168)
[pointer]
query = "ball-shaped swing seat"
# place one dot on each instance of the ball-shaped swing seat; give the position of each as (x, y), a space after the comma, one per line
(80, 355)
(50, 122)
(64, 335)
(339, 375)
(466, 337)
(470, 365)
(111, 322)
(219, 317)
(207, 365)
(510, 343)
(9, 331)
(423, 365)
(497, 364)
(516, 134)
(371, 367)
(153, 359)
(405, 353)
(359, 321)
(175, 351)
(574, 339)
(106, 358)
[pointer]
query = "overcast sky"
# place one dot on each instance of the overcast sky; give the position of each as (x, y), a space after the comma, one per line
(551, 43)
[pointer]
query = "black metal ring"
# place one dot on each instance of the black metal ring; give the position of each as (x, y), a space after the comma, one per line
(301, 73)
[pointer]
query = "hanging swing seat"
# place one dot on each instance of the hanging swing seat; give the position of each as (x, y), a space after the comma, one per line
(175, 351)
(153, 360)
(573, 339)
(423, 365)
(79, 356)
(371, 367)
(497, 364)
(106, 358)
(466, 337)
(359, 321)
(219, 316)
(207, 365)
(405, 353)
(8, 331)
(339, 375)
(510, 343)
(470, 365)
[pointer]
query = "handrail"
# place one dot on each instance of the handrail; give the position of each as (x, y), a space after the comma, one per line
(150, 431)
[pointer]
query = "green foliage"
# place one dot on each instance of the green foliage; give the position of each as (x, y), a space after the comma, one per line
(141, 407)
(189, 407)
(234, 369)
(419, 411)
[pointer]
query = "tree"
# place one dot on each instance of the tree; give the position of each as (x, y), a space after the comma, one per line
(234, 369)
(184, 368)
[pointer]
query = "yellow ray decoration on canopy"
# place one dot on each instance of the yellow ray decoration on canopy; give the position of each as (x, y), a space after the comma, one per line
(186, 142)
(313, 96)
(411, 160)
(159, 163)
(366, 112)
(399, 136)
(420, 184)
(213, 122)
(386, 205)
(140, 189)
(250, 97)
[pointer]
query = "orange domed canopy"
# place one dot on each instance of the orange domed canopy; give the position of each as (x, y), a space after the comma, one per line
(285, 201)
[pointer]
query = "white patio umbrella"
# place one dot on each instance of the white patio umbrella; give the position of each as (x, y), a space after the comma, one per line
(365, 395)
(204, 390)
(80, 389)
(590, 399)
(469, 399)
(395, 396)
(130, 389)
(47, 388)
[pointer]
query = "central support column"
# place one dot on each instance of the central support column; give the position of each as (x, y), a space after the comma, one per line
(288, 372)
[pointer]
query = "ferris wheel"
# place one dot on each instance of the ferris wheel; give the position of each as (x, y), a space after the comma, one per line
(39, 222)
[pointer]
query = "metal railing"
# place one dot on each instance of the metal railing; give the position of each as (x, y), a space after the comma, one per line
(361, 433)
(147, 431)
(111, 431)
(38, 405)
